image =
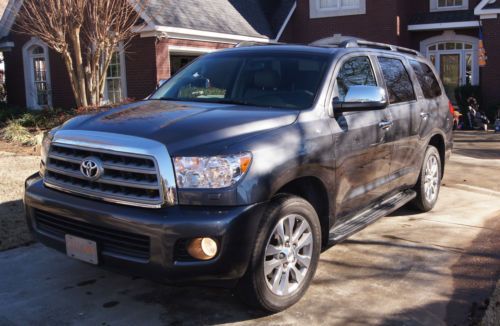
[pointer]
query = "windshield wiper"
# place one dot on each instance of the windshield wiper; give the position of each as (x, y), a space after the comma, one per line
(232, 101)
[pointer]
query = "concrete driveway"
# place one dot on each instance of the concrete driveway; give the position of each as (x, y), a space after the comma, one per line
(426, 269)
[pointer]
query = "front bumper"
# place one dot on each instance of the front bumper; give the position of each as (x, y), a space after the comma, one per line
(234, 227)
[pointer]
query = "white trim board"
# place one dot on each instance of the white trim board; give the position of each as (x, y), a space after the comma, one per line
(197, 35)
(285, 23)
(177, 49)
(454, 25)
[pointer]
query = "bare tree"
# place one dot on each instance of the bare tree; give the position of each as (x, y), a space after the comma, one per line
(85, 33)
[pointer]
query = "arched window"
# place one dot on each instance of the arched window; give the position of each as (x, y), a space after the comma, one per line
(37, 74)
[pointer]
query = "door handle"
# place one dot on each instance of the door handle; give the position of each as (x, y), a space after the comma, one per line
(385, 125)
(425, 115)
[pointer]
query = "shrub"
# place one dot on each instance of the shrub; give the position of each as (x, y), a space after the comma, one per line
(8, 113)
(14, 132)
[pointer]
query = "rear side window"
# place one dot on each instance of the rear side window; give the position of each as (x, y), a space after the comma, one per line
(397, 80)
(427, 79)
(354, 72)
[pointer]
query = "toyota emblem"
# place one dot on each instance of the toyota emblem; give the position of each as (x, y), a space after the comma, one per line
(91, 168)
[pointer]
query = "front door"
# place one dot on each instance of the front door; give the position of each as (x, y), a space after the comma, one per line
(362, 154)
(450, 69)
(456, 62)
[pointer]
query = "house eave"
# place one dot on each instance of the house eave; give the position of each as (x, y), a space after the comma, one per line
(486, 13)
(6, 46)
(196, 35)
(443, 26)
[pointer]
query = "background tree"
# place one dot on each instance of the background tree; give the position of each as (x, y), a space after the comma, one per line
(85, 33)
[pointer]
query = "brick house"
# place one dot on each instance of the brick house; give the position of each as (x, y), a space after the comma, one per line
(446, 31)
(175, 32)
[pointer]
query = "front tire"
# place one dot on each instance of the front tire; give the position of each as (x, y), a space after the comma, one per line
(429, 181)
(285, 255)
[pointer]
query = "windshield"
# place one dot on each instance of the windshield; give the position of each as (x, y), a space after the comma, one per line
(277, 80)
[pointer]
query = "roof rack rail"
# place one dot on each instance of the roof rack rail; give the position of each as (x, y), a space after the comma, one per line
(340, 41)
(254, 43)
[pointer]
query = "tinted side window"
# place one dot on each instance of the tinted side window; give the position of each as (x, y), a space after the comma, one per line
(354, 72)
(427, 79)
(397, 80)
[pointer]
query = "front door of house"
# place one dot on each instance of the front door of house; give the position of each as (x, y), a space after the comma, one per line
(450, 71)
(456, 62)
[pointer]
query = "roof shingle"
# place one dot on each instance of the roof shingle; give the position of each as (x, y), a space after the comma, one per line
(256, 18)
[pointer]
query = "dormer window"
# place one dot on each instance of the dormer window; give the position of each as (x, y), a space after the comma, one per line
(447, 5)
(333, 8)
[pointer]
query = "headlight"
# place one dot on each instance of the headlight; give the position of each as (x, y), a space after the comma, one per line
(44, 150)
(211, 172)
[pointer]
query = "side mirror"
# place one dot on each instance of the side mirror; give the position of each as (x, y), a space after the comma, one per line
(361, 98)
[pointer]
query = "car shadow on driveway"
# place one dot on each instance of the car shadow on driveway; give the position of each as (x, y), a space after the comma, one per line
(13, 228)
(475, 275)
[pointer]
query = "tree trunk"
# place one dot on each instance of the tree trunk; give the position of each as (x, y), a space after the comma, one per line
(77, 49)
(68, 61)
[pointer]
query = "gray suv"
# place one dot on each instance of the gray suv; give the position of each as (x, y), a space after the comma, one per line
(247, 164)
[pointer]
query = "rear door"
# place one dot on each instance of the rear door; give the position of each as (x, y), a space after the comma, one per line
(362, 153)
(405, 106)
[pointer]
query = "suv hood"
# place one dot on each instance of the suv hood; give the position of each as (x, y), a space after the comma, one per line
(185, 126)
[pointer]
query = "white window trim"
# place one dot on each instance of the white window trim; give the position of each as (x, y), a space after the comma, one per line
(450, 36)
(438, 26)
(29, 78)
(316, 12)
(123, 77)
(435, 7)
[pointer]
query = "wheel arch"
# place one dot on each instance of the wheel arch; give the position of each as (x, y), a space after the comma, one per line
(313, 190)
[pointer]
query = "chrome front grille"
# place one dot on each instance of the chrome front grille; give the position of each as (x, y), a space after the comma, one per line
(127, 178)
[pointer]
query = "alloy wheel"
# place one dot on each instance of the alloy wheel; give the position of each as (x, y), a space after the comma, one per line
(431, 179)
(288, 255)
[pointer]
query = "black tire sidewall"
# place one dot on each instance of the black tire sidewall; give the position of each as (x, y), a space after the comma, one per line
(283, 206)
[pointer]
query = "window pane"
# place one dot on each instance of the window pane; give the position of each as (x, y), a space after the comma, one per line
(459, 46)
(432, 48)
(468, 69)
(397, 80)
(450, 46)
(113, 79)
(339, 4)
(426, 78)
(329, 3)
(468, 46)
(356, 71)
(40, 80)
(350, 3)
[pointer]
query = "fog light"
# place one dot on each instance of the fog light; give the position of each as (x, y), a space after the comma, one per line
(202, 248)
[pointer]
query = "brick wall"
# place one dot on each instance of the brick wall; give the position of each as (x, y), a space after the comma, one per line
(490, 75)
(140, 62)
(148, 62)
(380, 27)
(62, 95)
(14, 72)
